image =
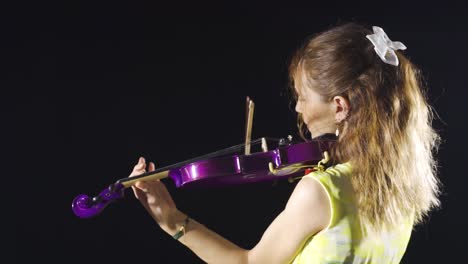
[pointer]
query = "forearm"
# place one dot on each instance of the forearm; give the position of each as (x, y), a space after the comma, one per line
(205, 243)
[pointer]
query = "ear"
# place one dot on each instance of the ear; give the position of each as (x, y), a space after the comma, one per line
(341, 106)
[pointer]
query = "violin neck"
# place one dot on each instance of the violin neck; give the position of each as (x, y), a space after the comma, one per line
(149, 176)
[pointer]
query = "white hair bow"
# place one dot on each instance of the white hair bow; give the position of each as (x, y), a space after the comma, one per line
(384, 47)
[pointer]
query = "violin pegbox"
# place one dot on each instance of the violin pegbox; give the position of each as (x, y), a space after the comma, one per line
(85, 207)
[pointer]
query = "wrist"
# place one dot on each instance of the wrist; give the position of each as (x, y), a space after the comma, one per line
(173, 224)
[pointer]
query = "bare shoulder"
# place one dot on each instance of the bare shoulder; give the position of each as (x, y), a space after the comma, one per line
(307, 212)
(311, 200)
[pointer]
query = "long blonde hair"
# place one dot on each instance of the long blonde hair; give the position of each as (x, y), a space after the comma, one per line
(387, 136)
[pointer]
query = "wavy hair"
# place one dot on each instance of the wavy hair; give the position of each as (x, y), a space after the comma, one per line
(387, 136)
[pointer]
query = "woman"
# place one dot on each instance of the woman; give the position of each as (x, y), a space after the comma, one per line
(354, 83)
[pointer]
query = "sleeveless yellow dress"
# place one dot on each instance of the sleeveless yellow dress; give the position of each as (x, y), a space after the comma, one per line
(343, 241)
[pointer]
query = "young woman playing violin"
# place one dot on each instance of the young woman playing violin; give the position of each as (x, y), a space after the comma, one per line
(352, 82)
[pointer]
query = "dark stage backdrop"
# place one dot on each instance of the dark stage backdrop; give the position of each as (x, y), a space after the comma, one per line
(95, 86)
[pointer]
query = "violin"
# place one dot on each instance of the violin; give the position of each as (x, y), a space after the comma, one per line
(224, 167)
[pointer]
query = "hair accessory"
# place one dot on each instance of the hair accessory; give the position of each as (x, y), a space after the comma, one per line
(384, 47)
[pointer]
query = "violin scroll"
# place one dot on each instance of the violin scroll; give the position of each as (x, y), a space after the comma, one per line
(85, 207)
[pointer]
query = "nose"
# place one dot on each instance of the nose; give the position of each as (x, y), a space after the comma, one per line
(298, 108)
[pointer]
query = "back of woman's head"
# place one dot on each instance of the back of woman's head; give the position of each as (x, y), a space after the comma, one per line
(387, 135)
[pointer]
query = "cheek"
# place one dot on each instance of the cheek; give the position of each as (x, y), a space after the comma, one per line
(310, 116)
(310, 112)
(315, 113)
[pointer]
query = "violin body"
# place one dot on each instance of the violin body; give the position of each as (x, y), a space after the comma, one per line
(242, 169)
(286, 161)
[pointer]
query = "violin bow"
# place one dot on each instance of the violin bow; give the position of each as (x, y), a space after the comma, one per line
(248, 127)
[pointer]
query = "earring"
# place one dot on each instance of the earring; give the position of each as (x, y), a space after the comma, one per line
(337, 131)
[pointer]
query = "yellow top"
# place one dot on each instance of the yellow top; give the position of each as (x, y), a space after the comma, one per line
(343, 240)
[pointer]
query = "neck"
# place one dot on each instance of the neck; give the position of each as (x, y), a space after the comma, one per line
(325, 136)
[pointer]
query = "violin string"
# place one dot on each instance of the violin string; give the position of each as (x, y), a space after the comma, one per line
(214, 154)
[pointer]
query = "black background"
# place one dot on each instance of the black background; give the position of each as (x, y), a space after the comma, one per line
(96, 85)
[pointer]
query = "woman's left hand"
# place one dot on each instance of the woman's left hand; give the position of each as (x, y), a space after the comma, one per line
(153, 195)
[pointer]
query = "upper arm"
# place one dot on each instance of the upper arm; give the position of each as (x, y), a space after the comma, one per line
(307, 212)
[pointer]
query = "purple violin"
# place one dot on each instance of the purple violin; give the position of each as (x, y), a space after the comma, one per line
(222, 168)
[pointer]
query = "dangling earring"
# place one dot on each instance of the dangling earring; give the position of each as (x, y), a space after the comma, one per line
(337, 131)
